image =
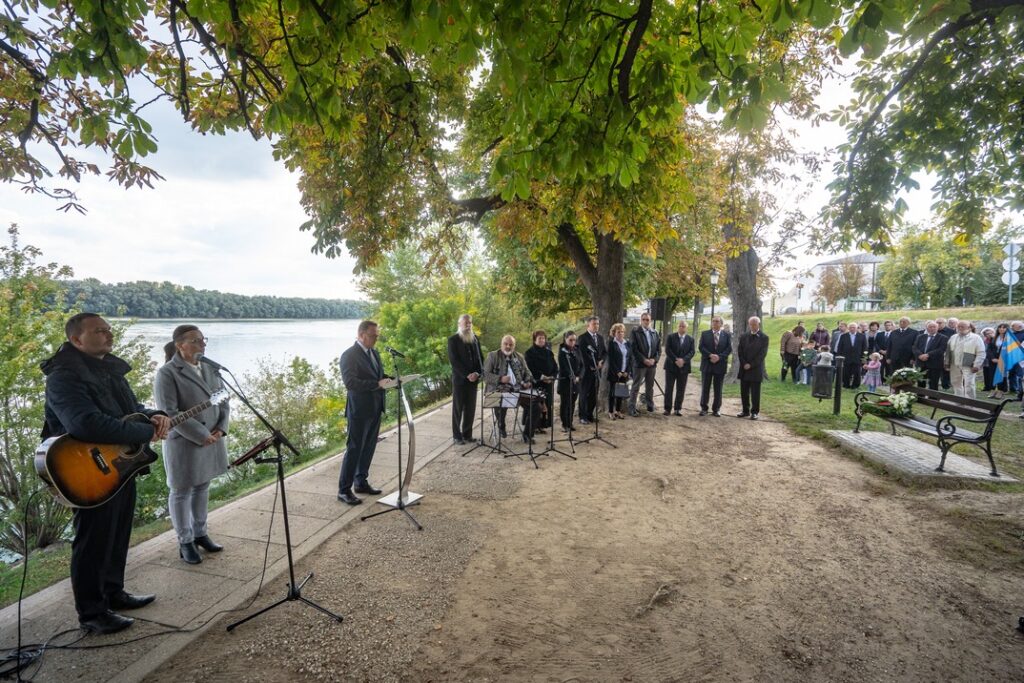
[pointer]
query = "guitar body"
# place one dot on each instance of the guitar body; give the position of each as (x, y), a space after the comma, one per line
(86, 475)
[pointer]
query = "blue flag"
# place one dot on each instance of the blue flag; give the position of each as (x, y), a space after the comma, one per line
(1012, 354)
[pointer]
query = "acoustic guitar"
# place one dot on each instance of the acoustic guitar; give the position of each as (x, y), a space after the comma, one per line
(87, 475)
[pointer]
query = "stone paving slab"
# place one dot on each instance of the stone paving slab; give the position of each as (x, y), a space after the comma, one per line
(913, 459)
(243, 560)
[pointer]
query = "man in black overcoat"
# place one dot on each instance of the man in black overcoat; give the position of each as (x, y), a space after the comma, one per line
(851, 346)
(86, 396)
(715, 347)
(679, 349)
(592, 348)
(930, 354)
(364, 378)
(467, 361)
(900, 353)
(750, 354)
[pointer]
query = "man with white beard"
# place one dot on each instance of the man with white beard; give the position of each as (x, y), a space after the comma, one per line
(467, 363)
(965, 356)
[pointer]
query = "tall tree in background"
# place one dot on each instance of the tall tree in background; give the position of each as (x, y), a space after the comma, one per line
(928, 269)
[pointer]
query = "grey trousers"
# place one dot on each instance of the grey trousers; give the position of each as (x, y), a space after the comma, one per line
(187, 508)
(644, 374)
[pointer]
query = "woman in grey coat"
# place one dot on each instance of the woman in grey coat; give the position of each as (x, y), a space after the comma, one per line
(195, 451)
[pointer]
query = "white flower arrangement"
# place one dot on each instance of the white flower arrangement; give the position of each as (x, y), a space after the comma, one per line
(902, 403)
(906, 376)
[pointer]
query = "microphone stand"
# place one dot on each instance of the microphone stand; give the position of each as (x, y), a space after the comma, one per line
(404, 499)
(276, 441)
(479, 443)
(597, 409)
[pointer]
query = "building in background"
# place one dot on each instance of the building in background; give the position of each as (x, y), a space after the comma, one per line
(850, 283)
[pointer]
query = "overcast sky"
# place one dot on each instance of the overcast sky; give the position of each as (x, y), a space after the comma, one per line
(226, 217)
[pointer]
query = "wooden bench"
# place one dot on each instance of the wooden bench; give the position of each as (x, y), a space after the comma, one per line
(949, 430)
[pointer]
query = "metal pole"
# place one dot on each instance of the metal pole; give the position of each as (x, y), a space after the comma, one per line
(837, 391)
(1009, 298)
(712, 301)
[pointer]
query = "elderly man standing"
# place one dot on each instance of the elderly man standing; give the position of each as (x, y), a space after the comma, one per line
(646, 348)
(947, 331)
(900, 353)
(750, 354)
(467, 363)
(965, 356)
(930, 354)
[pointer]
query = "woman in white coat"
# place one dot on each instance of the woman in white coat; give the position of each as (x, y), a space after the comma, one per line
(195, 451)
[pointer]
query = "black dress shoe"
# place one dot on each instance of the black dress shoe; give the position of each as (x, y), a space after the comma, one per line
(349, 498)
(584, 422)
(743, 414)
(189, 553)
(716, 413)
(503, 433)
(129, 601)
(108, 622)
(207, 544)
(754, 416)
(459, 441)
(367, 489)
(677, 413)
(667, 412)
(703, 413)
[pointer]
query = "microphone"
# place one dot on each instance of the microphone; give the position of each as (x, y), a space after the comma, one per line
(212, 363)
(394, 352)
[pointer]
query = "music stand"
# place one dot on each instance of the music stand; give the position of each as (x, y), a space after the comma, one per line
(401, 499)
(529, 428)
(276, 440)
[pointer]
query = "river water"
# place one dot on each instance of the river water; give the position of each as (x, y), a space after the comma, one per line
(238, 344)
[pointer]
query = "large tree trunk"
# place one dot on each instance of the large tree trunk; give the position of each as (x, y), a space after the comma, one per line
(604, 278)
(741, 280)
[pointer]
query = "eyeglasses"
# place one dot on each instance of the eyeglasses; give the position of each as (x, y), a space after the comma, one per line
(200, 340)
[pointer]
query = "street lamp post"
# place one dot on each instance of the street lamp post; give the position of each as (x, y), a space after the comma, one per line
(799, 288)
(714, 283)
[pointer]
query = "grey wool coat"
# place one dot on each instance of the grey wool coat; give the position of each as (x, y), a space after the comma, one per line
(177, 388)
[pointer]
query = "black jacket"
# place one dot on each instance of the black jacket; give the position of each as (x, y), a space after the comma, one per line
(752, 350)
(901, 345)
(936, 351)
(465, 359)
(362, 382)
(87, 397)
(638, 345)
(613, 365)
(852, 350)
(570, 365)
(707, 347)
(584, 342)
(540, 361)
(675, 349)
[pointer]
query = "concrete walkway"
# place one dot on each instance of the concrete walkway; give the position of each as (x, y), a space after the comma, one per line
(190, 596)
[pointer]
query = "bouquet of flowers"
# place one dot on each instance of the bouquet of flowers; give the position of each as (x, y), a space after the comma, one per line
(906, 376)
(899, 404)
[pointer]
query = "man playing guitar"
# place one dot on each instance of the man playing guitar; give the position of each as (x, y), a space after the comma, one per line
(86, 396)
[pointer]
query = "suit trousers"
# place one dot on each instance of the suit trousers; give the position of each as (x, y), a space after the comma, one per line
(750, 396)
(359, 449)
(589, 386)
(851, 374)
(100, 551)
(964, 383)
(645, 374)
(567, 396)
(933, 377)
(463, 409)
(676, 381)
(188, 510)
(706, 380)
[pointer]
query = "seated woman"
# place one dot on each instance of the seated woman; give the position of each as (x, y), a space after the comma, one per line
(542, 365)
(570, 366)
(195, 451)
(619, 369)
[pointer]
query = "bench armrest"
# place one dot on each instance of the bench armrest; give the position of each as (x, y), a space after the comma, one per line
(945, 427)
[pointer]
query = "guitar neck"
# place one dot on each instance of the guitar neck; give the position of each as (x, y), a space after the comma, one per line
(191, 412)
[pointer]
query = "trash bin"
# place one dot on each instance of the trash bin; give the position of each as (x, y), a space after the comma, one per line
(822, 381)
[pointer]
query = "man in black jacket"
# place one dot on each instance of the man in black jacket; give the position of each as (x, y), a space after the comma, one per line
(593, 350)
(364, 378)
(882, 346)
(851, 346)
(750, 354)
(947, 328)
(86, 396)
(679, 349)
(467, 361)
(930, 354)
(645, 345)
(715, 348)
(900, 353)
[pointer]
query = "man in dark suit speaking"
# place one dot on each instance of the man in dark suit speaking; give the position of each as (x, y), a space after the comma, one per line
(364, 379)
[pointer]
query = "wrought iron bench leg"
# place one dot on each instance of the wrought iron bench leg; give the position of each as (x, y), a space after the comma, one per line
(988, 451)
(945, 449)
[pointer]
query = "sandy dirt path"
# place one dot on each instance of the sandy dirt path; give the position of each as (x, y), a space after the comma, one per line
(700, 549)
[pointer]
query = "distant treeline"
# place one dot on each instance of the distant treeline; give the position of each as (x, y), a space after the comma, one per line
(167, 300)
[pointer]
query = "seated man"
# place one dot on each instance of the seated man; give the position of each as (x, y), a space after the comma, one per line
(505, 371)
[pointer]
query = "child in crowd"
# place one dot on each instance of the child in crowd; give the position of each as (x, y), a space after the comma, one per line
(824, 356)
(873, 377)
(807, 357)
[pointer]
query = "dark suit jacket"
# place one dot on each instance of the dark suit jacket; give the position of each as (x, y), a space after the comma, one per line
(707, 347)
(584, 342)
(613, 364)
(638, 345)
(465, 359)
(365, 397)
(852, 349)
(881, 343)
(752, 350)
(901, 345)
(675, 349)
(936, 352)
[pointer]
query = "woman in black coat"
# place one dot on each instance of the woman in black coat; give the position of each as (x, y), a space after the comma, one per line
(619, 369)
(570, 366)
(544, 369)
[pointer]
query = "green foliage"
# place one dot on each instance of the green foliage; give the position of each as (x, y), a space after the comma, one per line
(929, 269)
(167, 300)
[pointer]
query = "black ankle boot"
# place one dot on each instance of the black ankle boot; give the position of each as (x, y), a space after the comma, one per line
(189, 553)
(207, 544)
